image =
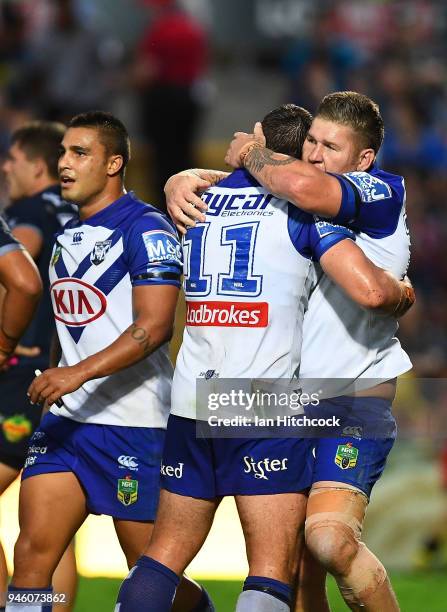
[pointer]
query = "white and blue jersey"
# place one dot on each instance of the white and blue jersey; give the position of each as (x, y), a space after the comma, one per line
(373, 204)
(246, 275)
(93, 268)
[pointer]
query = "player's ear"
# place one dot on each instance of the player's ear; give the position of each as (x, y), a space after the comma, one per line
(365, 159)
(39, 167)
(115, 164)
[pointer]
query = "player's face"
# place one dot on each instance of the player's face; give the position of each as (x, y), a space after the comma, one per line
(83, 166)
(20, 173)
(332, 147)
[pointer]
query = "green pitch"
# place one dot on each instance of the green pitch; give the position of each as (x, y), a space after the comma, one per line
(415, 591)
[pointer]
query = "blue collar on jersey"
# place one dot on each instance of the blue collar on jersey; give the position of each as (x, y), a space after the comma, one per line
(118, 208)
(239, 178)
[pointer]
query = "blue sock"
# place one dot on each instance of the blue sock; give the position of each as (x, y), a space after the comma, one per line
(205, 604)
(280, 590)
(149, 587)
(28, 599)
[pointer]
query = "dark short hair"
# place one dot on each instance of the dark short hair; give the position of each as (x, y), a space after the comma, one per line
(112, 133)
(41, 139)
(358, 112)
(285, 129)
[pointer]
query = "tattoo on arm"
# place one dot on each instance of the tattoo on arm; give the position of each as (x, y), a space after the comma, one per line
(258, 157)
(141, 336)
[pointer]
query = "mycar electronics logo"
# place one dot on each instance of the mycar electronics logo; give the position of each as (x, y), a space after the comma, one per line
(76, 303)
(227, 314)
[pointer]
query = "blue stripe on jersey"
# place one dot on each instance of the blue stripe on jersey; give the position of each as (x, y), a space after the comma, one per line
(75, 332)
(238, 179)
(86, 263)
(111, 277)
(105, 283)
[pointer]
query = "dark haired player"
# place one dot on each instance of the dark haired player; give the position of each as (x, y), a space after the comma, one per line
(115, 276)
(35, 214)
(247, 270)
(343, 141)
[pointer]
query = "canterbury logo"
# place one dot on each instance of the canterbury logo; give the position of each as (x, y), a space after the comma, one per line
(228, 314)
(77, 237)
(128, 462)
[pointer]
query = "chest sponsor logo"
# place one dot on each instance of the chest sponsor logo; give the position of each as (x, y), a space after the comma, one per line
(100, 251)
(227, 314)
(237, 204)
(162, 246)
(370, 187)
(261, 469)
(75, 302)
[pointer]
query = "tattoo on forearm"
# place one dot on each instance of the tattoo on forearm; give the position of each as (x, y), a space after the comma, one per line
(257, 158)
(141, 336)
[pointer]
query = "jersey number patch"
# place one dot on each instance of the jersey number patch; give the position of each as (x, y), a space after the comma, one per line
(239, 279)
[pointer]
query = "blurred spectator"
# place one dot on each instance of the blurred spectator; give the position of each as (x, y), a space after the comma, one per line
(64, 74)
(169, 68)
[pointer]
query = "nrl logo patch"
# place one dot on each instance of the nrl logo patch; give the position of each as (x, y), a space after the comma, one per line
(100, 251)
(127, 490)
(346, 456)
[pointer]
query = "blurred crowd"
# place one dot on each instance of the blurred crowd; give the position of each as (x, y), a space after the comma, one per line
(60, 57)
(396, 53)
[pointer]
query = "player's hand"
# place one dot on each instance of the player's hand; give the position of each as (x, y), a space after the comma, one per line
(52, 384)
(408, 298)
(184, 205)
(242, 143)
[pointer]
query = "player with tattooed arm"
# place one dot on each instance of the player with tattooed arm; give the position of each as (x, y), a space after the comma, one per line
(114, 281)
(339, 179)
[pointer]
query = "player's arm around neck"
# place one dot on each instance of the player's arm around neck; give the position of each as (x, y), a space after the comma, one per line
(364, 282)
(301, 183)
(154, 312)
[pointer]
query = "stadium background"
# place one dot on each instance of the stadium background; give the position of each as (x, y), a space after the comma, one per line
(263, 53)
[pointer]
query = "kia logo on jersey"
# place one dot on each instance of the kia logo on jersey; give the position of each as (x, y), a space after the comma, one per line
(227, 314)
(75, 302)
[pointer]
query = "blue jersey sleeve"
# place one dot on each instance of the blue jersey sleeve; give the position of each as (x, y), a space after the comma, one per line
(369, 203)
(7, 241)
(312, 236)
(153, 252)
